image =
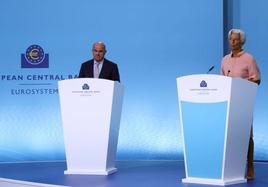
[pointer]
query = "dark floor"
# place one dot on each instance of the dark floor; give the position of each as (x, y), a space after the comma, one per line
(130, 174)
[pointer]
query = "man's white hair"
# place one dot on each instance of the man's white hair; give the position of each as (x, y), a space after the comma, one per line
(100, 43)
(240, 32)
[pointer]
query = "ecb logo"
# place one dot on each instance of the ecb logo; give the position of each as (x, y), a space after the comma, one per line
(34, 57)
(203, 84)
(85, 87)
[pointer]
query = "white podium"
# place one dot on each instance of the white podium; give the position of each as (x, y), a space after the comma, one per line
(216, 114)
(91, 111)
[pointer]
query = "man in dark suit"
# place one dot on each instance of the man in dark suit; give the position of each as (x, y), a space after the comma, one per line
(99, 67)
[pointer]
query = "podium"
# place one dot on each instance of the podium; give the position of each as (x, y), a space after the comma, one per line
(90, 111)
(216, 114)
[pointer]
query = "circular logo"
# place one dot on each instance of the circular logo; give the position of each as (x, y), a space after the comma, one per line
(85, 86)
(35, 54)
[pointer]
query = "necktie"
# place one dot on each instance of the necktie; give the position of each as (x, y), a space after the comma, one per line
(96, 70)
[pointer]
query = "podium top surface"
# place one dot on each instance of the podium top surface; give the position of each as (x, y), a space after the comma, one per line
(208, 76)
(88, 87)
(211, 88)
(78, 82)
(212, 76)
(90, 79)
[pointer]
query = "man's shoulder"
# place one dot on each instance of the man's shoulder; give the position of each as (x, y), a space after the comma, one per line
(88, 62)
(109, 62)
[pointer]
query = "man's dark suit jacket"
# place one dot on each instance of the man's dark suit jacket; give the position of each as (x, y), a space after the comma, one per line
(109, 70)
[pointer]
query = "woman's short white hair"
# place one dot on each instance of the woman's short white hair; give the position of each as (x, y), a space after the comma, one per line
(240, 32)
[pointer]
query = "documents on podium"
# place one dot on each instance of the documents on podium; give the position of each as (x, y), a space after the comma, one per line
(216, 114)
(91, 112)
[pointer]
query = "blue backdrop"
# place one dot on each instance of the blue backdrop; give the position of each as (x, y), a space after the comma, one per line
(153, 42)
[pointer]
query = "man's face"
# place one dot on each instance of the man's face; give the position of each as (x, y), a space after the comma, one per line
(235, 41)
(98, 52)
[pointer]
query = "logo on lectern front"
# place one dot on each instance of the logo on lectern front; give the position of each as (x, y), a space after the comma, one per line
(203, 84)
(85, 87)
(86, 90)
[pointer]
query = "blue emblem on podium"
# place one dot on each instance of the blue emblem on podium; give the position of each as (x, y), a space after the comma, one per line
(203, 84)
(85, 87)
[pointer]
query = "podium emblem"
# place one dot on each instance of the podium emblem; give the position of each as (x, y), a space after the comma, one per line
(85, 87)
(203, 84)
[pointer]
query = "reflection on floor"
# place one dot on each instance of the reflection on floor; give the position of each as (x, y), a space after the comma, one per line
(130, 174)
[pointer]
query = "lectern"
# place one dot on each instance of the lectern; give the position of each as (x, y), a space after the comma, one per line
(90, 111)
(216, 114)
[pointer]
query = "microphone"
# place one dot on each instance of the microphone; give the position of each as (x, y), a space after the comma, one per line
(228, 73)
(210, 69)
